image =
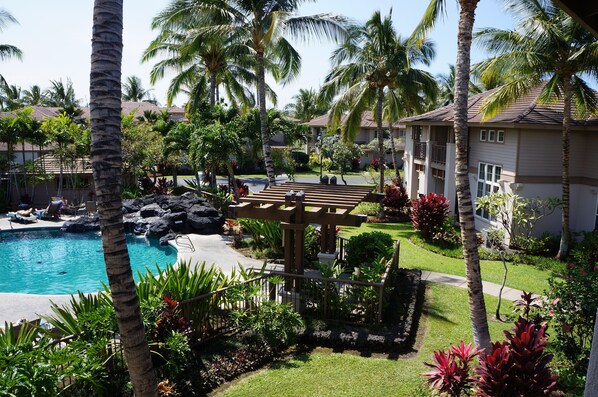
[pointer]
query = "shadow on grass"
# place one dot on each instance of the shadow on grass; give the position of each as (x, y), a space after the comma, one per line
(289, 361)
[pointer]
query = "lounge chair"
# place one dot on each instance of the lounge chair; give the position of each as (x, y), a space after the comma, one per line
(21, 218)
(91, 208)
(52, 211)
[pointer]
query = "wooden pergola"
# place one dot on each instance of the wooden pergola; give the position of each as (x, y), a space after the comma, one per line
(297, 205)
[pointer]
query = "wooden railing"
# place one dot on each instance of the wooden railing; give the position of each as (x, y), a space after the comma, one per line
(419, 150)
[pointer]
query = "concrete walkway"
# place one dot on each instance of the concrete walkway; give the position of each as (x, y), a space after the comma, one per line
(213, 249)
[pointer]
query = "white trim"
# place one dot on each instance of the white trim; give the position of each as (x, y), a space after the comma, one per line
(491, 135)
(483, 135)
(499, 134)
(485, 185)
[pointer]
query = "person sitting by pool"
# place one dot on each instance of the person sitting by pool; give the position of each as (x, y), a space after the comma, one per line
(27, 212)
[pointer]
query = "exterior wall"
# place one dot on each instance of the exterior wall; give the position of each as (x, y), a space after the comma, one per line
(502, 154)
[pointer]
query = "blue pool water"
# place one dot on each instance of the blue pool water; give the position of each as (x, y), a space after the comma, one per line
(54, 262)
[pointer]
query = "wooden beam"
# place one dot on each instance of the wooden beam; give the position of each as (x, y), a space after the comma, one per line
(279, 214)
(311, 197)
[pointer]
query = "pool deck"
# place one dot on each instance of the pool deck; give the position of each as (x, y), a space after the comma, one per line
(213, 249)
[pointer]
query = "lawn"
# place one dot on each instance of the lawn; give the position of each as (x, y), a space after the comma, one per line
(322, 373)
(524, 277)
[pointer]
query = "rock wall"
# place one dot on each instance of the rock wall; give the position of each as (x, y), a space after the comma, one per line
(160, 217)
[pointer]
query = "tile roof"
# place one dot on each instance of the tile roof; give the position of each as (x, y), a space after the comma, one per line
(525, 110)
(367, 121)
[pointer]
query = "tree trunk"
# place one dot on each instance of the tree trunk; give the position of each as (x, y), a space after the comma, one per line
(212, 90)
(566, 231)
(379, 106)
(231, 175)
(393, 154)
(106, 154)
(477, 307)
(261, 84)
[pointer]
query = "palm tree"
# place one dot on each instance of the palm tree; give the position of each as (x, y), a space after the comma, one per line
(547, 44)
(133, 90)
(477, 307)
(10, 97)
(61, 95)
(372, 61)
(261, 26)
(33, 96)
(202, 63)
(308, 103)
(7, 51)
(105, 103)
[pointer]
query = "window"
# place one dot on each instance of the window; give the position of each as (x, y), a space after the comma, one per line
(488, 177)
(491, 135)
(500, 136)
(401, 134)
(416, 133)
(483, 135)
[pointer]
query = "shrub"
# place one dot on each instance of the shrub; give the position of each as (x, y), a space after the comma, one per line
(518, 366)
(545, 245)
(301, 160)
(314, 160)
(375, 164)
(367, 248)
(428, 213)
(395, 197)
(273, 322)
(586, 252)
(265, 234)
(571, 308)
(370, 209)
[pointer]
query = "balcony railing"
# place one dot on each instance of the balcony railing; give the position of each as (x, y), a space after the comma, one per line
(420, 150)
(439, 154)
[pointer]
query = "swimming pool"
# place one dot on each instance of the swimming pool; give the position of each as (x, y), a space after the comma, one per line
(54, 262)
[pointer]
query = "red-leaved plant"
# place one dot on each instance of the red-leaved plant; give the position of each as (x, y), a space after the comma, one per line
(517, 366)
(451, 372)
(429, 213)
(396, 198)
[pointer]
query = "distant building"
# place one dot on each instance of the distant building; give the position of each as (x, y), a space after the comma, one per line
(365, 135)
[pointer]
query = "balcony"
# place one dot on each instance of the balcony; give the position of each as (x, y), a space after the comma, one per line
(439, 154)
(419, 152)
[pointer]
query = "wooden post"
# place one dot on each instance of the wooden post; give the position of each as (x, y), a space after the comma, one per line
(299, 233)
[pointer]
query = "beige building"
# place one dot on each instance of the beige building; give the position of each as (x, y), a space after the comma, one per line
(364, 136)
(517, 151)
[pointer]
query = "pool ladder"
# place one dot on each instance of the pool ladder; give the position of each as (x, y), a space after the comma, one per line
(182, 240)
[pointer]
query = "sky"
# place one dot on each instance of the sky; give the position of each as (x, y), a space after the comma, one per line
(55, 37)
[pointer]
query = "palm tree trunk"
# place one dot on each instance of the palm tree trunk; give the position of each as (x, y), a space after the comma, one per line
(212, 90)
(379, 106)
(477, 307)
(261, 81)
(231, 175)
(106, 154)
(566, 230)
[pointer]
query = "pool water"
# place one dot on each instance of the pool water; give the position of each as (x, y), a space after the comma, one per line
(54, 262)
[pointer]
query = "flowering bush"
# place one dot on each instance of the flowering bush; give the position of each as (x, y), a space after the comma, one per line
(375, 163)
(451, 372)
(571, 308)
(428, 213)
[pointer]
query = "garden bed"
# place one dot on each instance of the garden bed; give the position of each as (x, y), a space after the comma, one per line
(396, 334)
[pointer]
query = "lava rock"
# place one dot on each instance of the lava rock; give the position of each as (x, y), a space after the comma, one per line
(151, 210)
(167, 237)
(202, 210)
(158, 227)
(81, 225)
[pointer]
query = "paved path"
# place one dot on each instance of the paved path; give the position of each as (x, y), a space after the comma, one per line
(213, 249)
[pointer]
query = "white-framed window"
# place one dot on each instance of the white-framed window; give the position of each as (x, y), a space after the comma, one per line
(491, 135)
(500, 136)
(483, 135)
(488, 177)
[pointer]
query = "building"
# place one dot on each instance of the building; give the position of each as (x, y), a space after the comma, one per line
(517, 151)
(364, 136)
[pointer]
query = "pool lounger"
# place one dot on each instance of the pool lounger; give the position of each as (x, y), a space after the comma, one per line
(14, 217)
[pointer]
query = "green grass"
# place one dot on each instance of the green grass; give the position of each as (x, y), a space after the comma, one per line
(520, 276)
(320, 373)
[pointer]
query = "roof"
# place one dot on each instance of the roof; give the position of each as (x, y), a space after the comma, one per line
(525, 110)
(41, 112)
(583, 11)
(367, 121)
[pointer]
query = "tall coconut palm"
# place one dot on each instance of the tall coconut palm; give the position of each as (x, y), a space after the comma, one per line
(547, 44)
(33, 96)
(7, 51)
(202, 63)
(11, 97)
(262, 27)
(105, 108)
(308, 103)
(133, 90)
(477, 307)
(373, 60)
(61, 94)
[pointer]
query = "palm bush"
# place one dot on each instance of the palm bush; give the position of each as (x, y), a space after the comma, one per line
(367, 248)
